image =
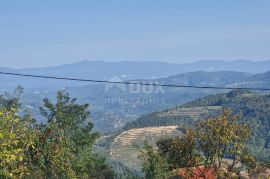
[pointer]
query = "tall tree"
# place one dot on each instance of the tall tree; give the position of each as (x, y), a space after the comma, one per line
(220, 137)
(180, 151)
(60, 148)
(154, 166)
(66, 141)
(16, 139)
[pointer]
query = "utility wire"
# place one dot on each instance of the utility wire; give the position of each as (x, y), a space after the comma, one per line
(134, 83)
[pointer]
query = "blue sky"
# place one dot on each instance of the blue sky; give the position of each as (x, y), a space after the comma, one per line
(52, 32)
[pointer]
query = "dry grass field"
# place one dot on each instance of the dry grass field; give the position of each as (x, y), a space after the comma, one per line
(126, 146)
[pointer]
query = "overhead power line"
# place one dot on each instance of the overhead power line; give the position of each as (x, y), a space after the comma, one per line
(133, 83)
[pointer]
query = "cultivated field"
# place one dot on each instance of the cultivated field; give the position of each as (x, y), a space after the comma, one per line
(126, 146)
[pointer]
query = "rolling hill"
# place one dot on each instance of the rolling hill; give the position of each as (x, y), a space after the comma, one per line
(125, 147)
(111, 109)
(124, 70)
(253, 107)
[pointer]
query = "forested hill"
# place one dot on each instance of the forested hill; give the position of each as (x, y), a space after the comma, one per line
(254, 109)
(113, 105)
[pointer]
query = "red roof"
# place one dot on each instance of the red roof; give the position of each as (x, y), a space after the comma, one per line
(197, 173)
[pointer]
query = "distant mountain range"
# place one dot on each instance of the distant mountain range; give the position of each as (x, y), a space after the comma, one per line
(112, 108)
(124, 70)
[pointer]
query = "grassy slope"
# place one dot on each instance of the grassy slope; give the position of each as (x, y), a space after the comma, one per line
(125, 147)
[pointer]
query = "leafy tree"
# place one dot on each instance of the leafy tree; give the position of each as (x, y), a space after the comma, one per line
(66, 141)
(154, 166)
(123, 172)
(256, 169)
(11, 101)
(180, 151)
(16, 138)
(208, 144)
(221, 136)
(61, 148)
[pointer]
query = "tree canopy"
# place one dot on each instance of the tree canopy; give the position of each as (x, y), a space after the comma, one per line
(218, 144)
(60, 148)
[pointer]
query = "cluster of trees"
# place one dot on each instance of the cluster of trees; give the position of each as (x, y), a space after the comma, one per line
(254, 109)
(60, 148)
(153, 120)
(218, 144)
(63, 147)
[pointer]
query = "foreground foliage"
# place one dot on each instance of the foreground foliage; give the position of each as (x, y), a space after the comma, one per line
(61, 148)
(17, 138)
(154, 165)
(218, 144)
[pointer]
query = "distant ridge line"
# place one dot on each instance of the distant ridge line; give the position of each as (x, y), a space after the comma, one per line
(133, 83)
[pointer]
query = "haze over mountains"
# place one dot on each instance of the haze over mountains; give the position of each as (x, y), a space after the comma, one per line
(113, 105)
(125, 70)
(112, 108)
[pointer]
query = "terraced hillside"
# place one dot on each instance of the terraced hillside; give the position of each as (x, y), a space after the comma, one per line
(192, 111)
(125, 147)
(254, 109)
(180, 115)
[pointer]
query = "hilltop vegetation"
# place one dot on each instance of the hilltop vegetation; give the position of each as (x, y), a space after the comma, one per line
(254, 109)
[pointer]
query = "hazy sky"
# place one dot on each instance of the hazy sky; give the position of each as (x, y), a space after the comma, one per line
(51, 32)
